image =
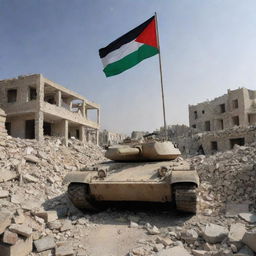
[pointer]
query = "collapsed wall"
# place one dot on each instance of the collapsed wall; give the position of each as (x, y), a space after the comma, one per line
(2, 122)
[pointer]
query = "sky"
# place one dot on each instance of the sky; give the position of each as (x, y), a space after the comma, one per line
(207, 47)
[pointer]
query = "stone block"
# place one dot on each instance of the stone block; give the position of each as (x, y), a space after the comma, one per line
(22, 248)
(48, 216)
(6, 175)
(22, 229)
(236, 233)
(249, 239)
(44, 244)
(64, 251)
(249, 217)
(214, 233)
(10, 237)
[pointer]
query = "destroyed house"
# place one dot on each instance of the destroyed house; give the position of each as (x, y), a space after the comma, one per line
(36, 107)
(236, 108)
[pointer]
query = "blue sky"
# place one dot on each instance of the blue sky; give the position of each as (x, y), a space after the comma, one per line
(207, 47)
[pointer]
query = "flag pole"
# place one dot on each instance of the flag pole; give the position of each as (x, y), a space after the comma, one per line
(161, 78)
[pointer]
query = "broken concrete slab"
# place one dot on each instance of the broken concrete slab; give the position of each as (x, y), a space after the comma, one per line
(249, 239)
(21, 229)
(189, 236)
(213, 233)
(6, 175)
(21, 248)
(236, 233)
(44, 244)
(10, 237)
(64, 250)
(249, 217)
(48, 216)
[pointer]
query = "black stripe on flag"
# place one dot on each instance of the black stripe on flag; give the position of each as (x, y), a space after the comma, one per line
(126, 38)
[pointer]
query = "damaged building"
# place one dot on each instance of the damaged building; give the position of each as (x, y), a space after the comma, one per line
(36, 107)
(107, 138)
(236, 108)
(221, 123)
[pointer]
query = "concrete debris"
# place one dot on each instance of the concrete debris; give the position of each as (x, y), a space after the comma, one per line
(32, 196)
(251, 218)
(153, 231)
(44, 244)
(249, 239)
(236, 234)
(175, 251)
(213, 233)
(21, 248)
(21, 229)
(5, 220)
(39, 211)
(10, 237)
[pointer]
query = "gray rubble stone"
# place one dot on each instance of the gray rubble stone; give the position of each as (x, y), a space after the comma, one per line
(249, 217)
(44, 244)
(48, 216)
(245, 251)
(236, 233)
(174, 251)
(166, 241)
(189, 236)
(153, 231)
(64, 250)
(249, 239)
(213, 233)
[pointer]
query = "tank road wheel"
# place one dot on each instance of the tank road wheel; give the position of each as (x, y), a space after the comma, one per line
(79, 194)
(186, 198)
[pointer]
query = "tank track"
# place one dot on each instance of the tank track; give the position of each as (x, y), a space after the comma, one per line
(79, 195)
(186, 198)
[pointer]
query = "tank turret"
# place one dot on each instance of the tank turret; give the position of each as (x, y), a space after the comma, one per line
(147, 151)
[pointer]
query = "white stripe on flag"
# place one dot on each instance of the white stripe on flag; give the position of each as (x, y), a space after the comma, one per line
(121, 52)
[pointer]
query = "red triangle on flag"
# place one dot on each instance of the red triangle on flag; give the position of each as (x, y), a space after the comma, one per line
(148, 35)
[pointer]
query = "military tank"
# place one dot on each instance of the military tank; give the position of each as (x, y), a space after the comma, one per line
(150, 171)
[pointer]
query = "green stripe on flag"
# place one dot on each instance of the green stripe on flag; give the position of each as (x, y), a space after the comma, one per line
(144, 52)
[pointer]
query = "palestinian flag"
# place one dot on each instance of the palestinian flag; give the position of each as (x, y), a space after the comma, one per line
(130, 49)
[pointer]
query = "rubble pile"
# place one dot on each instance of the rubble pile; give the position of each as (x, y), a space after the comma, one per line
(33, 203)
(227, 177)
(199, 237)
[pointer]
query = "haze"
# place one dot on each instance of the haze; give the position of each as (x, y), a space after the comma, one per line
(206, 46)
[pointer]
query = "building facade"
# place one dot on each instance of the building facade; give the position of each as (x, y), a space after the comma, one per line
(36, 107)
(236, 108)
(110, 138)
(2, 123)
